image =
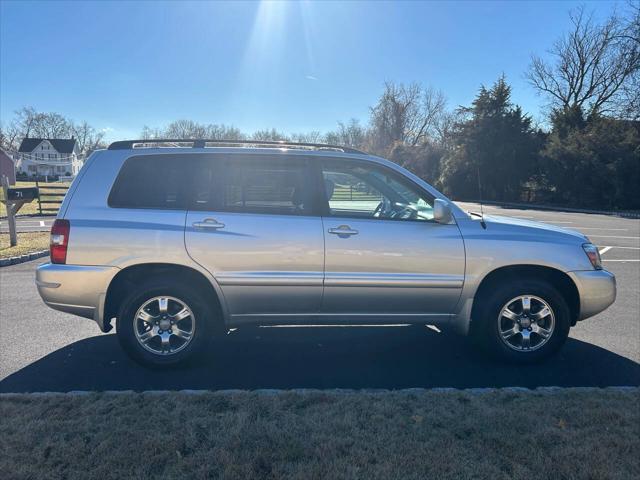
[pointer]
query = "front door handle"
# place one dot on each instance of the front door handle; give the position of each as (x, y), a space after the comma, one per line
(209, 223)
(343, 231)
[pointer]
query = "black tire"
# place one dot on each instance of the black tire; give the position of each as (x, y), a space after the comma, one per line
(205, 319)
(485, 324)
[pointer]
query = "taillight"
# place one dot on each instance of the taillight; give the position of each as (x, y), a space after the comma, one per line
(59, 241)
(594, 255)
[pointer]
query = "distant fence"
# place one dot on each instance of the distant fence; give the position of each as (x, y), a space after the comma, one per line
(51, 197)
(353, 193)
(23, 177)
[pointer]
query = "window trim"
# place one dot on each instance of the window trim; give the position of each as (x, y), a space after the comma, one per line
(325, 209)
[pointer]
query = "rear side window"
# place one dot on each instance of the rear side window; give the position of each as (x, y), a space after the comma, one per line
(253, 185)
(151, 181)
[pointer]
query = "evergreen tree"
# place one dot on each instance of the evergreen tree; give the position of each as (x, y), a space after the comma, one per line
(594, 163)
(496, 140)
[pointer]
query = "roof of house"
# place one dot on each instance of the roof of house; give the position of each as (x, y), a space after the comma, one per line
(62, 145)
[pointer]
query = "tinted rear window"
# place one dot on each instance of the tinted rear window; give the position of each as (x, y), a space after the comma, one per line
(151, 181)
(259, 185)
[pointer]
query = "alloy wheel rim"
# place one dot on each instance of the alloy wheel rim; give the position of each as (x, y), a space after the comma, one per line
(526, 323)
(164, 325)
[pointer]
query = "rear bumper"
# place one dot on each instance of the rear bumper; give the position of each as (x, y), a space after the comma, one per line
(597, 290)
(76, 289)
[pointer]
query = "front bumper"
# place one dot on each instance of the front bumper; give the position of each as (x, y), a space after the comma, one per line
(597, 290)
(76, 289)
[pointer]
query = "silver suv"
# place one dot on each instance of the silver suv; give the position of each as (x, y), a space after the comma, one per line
(179, 241)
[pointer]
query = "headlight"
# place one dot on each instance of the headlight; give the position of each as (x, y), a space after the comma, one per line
(594, 255)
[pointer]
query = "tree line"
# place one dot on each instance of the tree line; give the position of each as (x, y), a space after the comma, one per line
(586, 151)
(28, 122)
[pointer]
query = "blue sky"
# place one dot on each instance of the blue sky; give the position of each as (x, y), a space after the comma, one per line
(293, 66)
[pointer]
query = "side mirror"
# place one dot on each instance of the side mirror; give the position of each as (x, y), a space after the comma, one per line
(442, 211)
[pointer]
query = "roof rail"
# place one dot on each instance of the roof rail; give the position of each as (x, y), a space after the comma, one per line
(202, 143)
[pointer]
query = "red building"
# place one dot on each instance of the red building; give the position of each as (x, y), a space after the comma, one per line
(7, 167)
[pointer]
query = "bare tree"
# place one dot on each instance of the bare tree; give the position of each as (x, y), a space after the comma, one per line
(53, 125)
(32, 123)
(148, 133)
(87, 137)
(25, 121)
(185, 129)
(592, 65)
(189, 129)
(28, 122)
(309, 137)
(269, 135)
(10, 136)
(224, 132)
(627, 103)
(351, 134)
(406, 114)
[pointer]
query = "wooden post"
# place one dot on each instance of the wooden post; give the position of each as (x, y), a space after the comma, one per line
(38, 186)
(11, 212)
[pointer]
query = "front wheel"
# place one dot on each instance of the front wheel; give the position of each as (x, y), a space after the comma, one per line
(162, 324)
(522, 321)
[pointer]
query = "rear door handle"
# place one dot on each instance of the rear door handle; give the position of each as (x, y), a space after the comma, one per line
(343, 231)
(209, 223)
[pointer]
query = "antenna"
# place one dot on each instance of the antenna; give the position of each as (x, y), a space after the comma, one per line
(482, 222)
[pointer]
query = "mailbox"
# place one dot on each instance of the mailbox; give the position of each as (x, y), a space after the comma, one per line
(25, 194)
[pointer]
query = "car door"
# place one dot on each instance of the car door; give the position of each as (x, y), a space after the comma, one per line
(385, 256)
(251, 224)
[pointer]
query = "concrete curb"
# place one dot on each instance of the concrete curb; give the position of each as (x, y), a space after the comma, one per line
(337, 391)
(533, 206)
(27, 257)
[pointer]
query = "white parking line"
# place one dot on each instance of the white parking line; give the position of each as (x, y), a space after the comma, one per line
(616, 246)
(617, 260)
(604, 250)
(598, 228)
(611, 236)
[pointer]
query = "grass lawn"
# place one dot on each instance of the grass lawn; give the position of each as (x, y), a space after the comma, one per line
(29, 208)
(570, 434)
(27, 243)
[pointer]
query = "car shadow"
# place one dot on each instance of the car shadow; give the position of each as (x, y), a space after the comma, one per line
(327, 357)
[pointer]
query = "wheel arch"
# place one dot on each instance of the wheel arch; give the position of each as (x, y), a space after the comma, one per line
(560, 280)
(132, 275)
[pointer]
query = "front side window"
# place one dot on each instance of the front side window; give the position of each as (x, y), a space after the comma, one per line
(151, 181)
(262, 185)
(368, 191)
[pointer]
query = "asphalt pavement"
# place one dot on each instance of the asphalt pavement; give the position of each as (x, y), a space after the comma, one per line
(29, 224)
(45, 350)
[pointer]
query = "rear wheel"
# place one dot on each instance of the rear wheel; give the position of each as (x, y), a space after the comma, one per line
(162, 324)
(523, 321)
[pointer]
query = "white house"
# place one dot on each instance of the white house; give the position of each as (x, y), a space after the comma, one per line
(48, 156)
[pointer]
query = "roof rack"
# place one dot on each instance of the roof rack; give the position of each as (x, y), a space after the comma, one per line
(202, 143)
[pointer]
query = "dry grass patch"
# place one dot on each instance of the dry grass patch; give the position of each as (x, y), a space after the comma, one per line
(28, 242)
(446, 435)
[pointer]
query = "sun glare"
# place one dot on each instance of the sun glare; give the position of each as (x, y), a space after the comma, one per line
(267, 34)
